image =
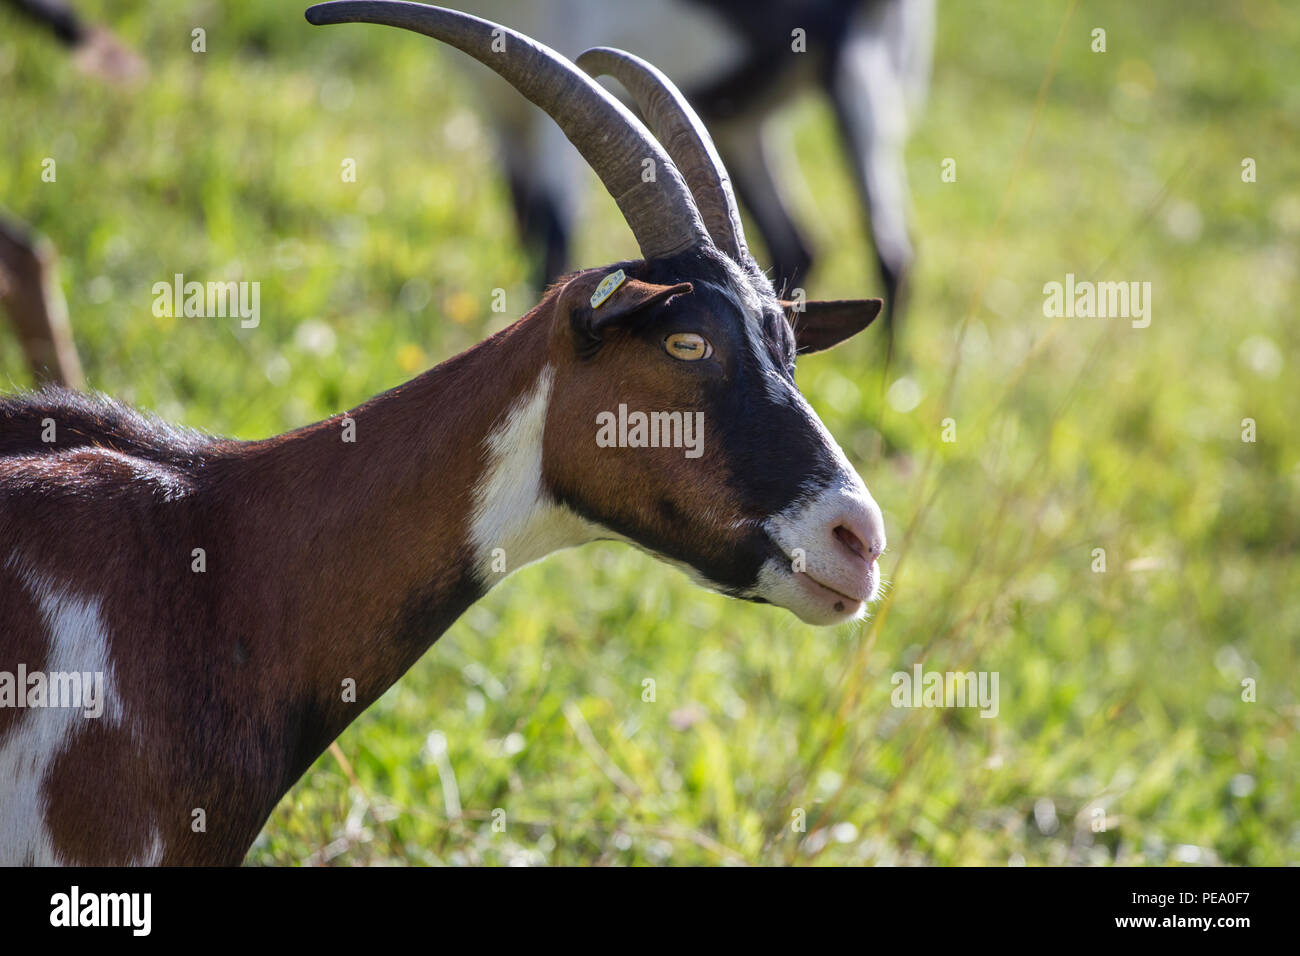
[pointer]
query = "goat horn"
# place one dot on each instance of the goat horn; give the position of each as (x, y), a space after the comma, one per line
(684, 135)
(614, 143)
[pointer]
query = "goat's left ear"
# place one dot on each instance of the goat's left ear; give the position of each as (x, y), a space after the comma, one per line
(596, 308)
(819, 325)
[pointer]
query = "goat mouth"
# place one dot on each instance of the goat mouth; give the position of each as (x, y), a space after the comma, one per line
(814, 585)
(826, 589)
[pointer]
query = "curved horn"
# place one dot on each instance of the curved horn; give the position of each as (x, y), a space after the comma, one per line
(614, 143)
(684, 135)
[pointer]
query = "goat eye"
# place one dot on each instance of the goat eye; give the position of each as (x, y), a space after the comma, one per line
(688, 346)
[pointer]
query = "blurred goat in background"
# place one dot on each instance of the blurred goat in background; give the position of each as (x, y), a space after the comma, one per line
(738, 62)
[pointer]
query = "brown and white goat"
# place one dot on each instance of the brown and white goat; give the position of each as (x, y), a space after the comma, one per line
(326, 560)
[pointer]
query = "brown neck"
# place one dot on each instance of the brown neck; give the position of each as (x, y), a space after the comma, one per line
(364, 550)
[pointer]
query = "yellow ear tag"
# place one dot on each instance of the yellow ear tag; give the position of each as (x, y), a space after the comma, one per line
(608, 286)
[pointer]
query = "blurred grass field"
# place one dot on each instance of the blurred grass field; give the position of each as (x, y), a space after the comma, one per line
(1121, 692)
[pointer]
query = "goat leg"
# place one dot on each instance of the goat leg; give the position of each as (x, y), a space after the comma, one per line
(30, 292)
(868, 95)
(740, 144)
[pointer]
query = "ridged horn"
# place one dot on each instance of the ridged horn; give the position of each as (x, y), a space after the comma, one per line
(679, 128)
(614, 143)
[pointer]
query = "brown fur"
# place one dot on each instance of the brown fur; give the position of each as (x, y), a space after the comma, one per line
(328, 560)
(325, 560)
(657, 493)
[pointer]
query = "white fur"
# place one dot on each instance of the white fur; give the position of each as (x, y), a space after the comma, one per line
(78, 641)
(807, 526)
(511, 512)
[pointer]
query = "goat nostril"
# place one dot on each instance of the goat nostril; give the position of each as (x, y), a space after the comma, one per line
(852, 542)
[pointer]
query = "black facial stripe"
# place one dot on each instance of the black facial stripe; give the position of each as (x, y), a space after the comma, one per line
(775, 453)
(755, 422)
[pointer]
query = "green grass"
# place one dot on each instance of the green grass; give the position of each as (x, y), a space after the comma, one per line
(1121, 692)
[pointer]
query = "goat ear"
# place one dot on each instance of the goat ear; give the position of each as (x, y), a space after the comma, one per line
(820, 324)
(597, 309)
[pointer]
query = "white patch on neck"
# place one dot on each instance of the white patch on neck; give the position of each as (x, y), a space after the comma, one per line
(511, 512)
(78, 641)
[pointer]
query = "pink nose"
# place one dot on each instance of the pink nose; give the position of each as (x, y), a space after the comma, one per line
(861, 531)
